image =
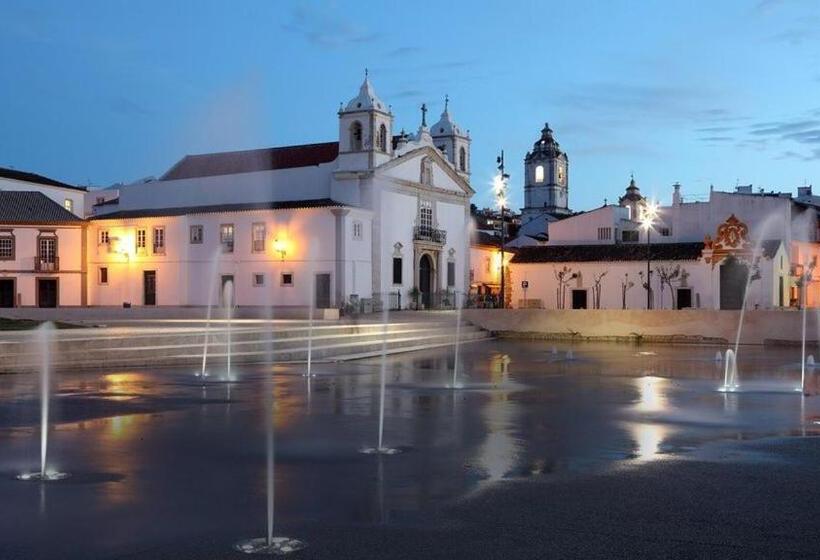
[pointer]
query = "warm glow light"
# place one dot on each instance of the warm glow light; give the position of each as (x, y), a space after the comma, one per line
(498, 185)
(650, 213)
(281, 247)
(648, 439)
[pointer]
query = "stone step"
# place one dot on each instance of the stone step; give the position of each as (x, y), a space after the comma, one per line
(253, 347)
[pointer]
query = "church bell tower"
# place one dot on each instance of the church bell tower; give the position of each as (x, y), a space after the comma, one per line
(546, 183)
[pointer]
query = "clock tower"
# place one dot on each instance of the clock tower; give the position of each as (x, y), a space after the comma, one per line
(546, 183)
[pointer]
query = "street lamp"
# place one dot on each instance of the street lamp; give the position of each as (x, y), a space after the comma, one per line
(500, 190)
(650, 213)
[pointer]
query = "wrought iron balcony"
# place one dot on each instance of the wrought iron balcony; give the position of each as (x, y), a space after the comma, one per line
(426, 233)
(46, 264)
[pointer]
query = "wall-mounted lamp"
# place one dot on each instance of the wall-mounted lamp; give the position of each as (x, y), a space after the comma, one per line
(280, 247)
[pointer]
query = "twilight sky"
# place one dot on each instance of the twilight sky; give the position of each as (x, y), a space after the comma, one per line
(698, 92)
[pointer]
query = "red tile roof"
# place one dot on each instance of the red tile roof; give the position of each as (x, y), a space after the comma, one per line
(247, 161)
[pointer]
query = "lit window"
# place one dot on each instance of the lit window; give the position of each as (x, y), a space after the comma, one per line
(103, 275)
(287, 279)
(258, 234)
(159, 240)
(197, 234)
(7, 248)
(69, 204)
(258, 279)
(357, 230)
(539, 174)
(226, 237)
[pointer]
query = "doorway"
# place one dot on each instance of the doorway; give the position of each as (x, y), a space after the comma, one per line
(733, 276)
(579, 299)
(47, 292)
(426, 280)
(322, 291)
(684, 298)
(149, 287)
(225, 279)
(7, 292)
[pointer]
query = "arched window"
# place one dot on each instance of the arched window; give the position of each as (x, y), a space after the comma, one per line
(381, 141)
(539, 174)
(356, 136)
(462, 159)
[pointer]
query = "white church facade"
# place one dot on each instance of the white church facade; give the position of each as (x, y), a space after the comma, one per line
(374, 215)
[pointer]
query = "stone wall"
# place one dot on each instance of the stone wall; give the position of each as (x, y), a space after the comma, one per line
(696, 326)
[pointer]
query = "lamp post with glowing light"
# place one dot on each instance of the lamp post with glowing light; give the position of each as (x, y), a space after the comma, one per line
(650, 213)
(500, 191)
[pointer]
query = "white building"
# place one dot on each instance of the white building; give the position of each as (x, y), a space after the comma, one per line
(700, 254)
(371, 213)
(41, 252)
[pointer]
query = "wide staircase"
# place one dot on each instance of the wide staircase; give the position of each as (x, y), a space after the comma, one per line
(146, 345)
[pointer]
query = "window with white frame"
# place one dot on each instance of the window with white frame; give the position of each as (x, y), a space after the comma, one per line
(258, 236)
(539, 174)
(258, 279)
(69, 204)
(141, 240)
(357, 230)
(226, 236)
(426, 215)
(287, 279)
(6, 246)
(196, 234)
(604, 233)
(159, 240)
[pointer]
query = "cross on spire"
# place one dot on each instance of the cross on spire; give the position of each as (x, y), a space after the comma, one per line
(446, 102)
(424, 114)
(365, 73)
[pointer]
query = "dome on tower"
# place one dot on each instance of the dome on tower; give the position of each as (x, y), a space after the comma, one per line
(445, 125)
(546, 146)
(633, 193)
(366, 100)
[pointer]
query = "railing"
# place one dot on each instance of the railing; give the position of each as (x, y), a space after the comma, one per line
(46, 264)
(426, 233)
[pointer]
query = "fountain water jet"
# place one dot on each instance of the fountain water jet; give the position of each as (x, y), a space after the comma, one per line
(270, 544)
(227, 300)
(44, 337)
(211, 291)
(730, 372)
(381, 449)
(312, 310)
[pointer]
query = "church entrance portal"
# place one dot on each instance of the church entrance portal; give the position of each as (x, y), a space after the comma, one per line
(426, 280)
(733, 277)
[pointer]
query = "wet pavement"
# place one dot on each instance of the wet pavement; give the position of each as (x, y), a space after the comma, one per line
(612, 451)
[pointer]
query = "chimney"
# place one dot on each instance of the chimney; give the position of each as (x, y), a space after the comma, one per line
(676, 197)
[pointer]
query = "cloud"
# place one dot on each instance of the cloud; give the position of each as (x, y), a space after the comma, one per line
(325, 29)
(782, 128)
(790, 154)
(407, 93)
(404, 51)
(716, 139)
(714, 129)
(805, 136)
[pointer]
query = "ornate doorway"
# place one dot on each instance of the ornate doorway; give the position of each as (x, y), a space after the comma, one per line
(733, 277)
(426, 282)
